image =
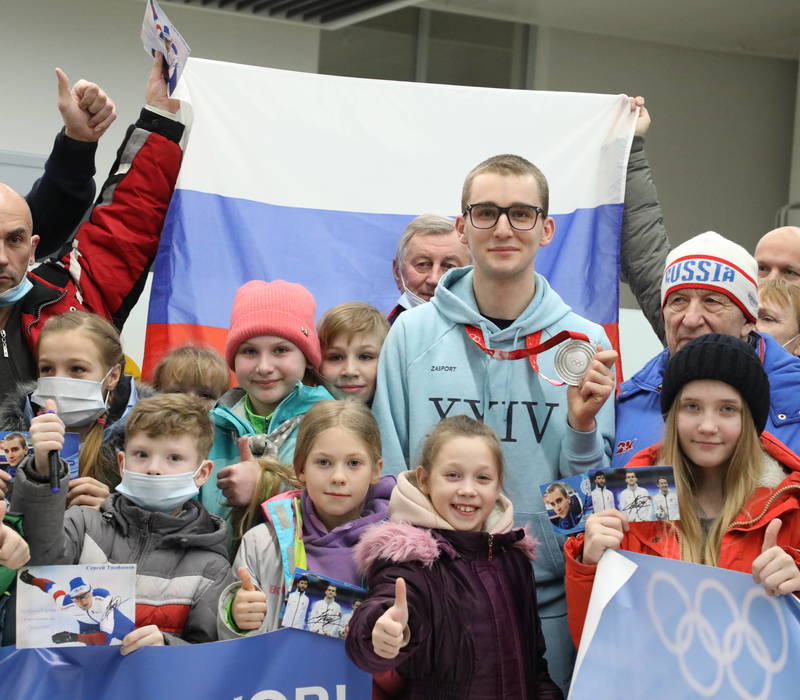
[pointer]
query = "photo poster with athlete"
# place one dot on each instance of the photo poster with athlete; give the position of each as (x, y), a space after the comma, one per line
(75, 606)
(320, 604)
(568, 503)
(15, 446)
(644, 494)
(159, 35)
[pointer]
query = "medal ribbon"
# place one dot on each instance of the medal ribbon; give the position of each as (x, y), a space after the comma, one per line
(532, 348)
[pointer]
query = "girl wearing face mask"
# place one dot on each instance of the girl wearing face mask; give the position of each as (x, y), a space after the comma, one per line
(738, 487)
(80, 363)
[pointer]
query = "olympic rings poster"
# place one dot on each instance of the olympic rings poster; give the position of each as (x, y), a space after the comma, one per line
(662, 628)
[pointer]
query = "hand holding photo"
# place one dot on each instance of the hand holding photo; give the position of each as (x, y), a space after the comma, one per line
(320, 605)
(80, 605)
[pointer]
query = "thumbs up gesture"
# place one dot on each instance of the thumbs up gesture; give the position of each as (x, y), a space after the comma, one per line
(14, 551)
(47, 434)
(391, 632)
(774, 567)
(85, 108)
(238, 481)
(249, 605)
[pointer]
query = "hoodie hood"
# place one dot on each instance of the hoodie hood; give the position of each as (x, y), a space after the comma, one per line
(409, 504)
(331, 551)
(455, 300)
(193, 527)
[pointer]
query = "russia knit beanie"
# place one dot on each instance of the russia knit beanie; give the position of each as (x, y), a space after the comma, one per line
(726, 359)
(709, 261)
(279, 308)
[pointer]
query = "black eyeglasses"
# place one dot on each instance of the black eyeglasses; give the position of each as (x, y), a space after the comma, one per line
(522, 217)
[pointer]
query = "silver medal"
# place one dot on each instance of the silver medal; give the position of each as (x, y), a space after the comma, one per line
(572, 359)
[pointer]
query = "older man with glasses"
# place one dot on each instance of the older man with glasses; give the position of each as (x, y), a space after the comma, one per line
(486, 346)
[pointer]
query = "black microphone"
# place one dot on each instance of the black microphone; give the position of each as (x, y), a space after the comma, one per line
(52, 458)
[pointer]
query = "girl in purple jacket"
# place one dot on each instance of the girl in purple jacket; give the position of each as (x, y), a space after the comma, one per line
(452, 600)
(337, 459)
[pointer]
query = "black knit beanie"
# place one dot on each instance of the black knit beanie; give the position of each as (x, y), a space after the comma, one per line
(726, 359)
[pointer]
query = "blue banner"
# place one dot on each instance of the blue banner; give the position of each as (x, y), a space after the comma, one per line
(668, 629)
(283, 665)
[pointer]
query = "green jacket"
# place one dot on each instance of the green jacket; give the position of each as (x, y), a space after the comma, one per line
(7, 576)
(230, 423)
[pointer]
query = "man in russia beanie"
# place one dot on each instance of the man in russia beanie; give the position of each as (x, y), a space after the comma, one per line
(710, 285)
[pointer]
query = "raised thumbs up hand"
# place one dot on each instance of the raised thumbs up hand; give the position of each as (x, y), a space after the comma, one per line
(249, 605)
(774, 567)
(238, 481)
(85, 108)
(14, 551)
(391, 632)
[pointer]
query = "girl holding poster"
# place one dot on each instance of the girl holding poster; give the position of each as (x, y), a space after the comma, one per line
(338, 462)
(738, 487)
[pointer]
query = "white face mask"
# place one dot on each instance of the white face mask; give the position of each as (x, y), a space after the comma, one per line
(80, 402)
(408, 300)
(159, 492)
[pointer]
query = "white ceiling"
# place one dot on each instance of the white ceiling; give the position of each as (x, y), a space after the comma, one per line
(762, 27)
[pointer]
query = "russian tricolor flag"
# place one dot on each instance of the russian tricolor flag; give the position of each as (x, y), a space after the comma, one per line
(311, 178)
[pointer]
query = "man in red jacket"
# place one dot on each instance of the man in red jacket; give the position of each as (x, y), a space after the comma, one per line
(105, 269)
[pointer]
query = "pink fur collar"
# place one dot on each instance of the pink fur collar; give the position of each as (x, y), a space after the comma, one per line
(402, 542)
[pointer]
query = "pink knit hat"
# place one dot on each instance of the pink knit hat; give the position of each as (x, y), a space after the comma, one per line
(284, 309)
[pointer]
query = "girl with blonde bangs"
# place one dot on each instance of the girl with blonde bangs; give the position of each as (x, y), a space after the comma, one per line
(739, 483)
(337, 466)
(738, 487)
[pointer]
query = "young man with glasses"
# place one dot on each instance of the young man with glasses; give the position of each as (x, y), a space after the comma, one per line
(441, 359)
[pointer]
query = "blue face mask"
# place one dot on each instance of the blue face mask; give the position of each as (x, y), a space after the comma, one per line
(162, 493)
(13, 295)
(409, 300)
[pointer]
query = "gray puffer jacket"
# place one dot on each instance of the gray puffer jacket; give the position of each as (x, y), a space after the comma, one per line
(181, 560)
(645, 244)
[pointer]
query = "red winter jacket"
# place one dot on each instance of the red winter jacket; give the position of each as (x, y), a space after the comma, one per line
(776, 496)
(106, 266)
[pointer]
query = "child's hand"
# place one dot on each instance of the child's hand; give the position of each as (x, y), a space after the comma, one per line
(774, 567)
(391, 632)
(604, 530)
(86, 491)
(238, 481)
(47, 434)
(14, 551)
(597, 384)
(148, 636)
(249, 605)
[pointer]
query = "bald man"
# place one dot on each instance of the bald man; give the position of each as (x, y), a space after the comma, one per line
(125, 224)
(778, 255)
(645, 243)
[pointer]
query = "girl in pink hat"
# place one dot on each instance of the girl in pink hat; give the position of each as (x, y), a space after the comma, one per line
(273, 349)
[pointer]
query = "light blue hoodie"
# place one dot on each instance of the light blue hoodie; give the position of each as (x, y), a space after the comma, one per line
(430, 369)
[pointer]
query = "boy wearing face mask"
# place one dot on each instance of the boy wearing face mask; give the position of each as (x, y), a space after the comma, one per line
(153, 520)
